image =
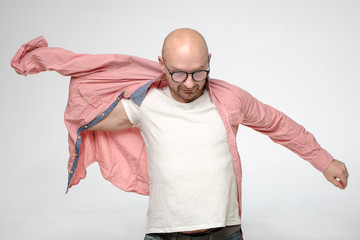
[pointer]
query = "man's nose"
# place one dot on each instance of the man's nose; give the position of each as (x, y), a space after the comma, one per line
(189, 82)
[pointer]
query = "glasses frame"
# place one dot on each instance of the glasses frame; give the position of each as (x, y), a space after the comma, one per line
(187, 74)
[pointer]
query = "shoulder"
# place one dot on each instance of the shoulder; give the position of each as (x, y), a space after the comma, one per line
(226, 90)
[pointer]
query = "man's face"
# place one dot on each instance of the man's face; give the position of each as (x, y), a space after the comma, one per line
(189, 90)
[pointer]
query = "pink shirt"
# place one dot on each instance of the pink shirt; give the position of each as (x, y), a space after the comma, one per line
(97, 84)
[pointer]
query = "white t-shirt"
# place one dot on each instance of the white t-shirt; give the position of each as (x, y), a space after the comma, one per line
(192, 179)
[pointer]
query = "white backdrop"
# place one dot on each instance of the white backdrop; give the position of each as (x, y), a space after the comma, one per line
(301, 57)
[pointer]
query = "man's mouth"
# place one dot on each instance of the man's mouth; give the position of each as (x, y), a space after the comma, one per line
(188, 91)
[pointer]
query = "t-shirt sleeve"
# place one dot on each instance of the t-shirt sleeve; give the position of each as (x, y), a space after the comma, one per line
(132, 111)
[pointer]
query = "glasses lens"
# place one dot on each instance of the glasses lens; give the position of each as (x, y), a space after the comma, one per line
(200, 75)
(179, 76)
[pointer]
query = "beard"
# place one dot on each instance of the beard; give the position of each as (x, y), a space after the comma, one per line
(183, 94)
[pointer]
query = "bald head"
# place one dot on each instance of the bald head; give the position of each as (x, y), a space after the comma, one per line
(184, 42)
(185, 50)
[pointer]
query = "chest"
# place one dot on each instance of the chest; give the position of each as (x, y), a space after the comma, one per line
(166, 121)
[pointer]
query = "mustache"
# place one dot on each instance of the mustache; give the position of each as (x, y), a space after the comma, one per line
(180, 87)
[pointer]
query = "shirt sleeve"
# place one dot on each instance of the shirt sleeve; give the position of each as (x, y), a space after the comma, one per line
(35, 56)
(283, 130)
(132, 111)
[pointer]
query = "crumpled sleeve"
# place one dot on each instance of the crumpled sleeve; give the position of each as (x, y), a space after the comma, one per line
(35, 56)
(283, 130)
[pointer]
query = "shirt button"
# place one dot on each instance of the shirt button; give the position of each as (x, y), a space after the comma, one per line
(102, 114)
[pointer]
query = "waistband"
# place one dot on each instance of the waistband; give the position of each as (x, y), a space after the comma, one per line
(214, 234)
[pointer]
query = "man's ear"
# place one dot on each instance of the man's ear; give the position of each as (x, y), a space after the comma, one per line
(161, 62)
(209, 56)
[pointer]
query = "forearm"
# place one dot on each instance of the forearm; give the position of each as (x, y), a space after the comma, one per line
(284, 131)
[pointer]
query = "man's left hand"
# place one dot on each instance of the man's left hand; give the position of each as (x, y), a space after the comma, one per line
(337, 174)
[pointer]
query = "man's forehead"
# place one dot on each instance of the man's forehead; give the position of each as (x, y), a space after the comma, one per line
(183, 65)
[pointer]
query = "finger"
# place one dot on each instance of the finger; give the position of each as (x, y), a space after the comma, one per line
(337, 182)
(343, 177)
(344, 180)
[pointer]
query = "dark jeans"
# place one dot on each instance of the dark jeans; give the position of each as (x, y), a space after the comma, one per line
(217, 235)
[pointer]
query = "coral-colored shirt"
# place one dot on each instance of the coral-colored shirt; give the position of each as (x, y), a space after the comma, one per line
(97, 84)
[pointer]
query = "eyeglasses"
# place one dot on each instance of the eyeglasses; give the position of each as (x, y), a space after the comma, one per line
(181, 76)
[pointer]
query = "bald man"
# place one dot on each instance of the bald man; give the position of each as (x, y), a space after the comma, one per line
(189, 130)
(188, 124)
